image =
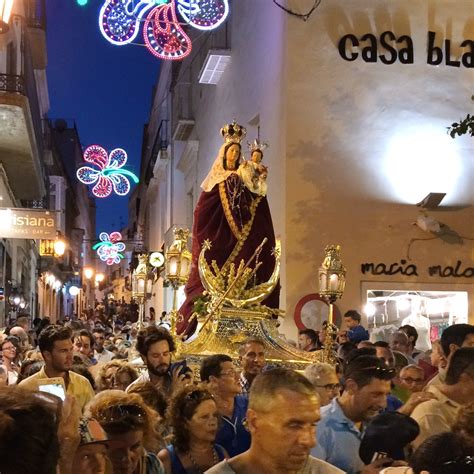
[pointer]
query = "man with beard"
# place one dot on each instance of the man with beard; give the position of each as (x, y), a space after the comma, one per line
(252, 361)
(55, 345)
(366, 386)
(282, 436)
(155, 346)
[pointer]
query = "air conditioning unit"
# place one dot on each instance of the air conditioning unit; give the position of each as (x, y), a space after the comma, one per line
(214, 66)
(183, 130)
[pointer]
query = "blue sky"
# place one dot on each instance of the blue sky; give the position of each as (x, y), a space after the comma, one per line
(106, 89)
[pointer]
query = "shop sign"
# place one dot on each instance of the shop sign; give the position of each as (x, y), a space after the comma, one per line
(389, 48)
(27, 224)
(403, 268)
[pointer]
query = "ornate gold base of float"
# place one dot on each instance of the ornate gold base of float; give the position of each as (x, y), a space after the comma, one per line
(231, 326)
(235, 312)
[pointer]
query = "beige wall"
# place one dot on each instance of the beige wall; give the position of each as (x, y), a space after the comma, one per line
(366, 142)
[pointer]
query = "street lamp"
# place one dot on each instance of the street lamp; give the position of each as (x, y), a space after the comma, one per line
(177, 268)
(139, 286)
(88, 272)
(332, 280)
(59, 246)
(6, 7)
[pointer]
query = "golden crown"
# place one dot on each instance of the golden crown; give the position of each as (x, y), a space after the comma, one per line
(233, 132)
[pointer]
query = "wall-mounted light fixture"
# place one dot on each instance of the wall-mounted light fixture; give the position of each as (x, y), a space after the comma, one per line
(6, 7)
(431, 200)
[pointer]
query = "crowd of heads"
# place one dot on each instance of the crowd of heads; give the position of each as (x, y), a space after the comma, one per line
(129, 406)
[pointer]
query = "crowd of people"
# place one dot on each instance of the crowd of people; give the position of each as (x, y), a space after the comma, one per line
(83, 397)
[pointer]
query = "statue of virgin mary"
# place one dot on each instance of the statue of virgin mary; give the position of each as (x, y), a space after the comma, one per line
(234, 219)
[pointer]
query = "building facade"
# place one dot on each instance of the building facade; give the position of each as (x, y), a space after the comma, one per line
(354, 100)
(23, 177)
(38, 162)
(75, 210)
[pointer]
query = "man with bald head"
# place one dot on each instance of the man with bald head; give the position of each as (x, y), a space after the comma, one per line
(282, 437)
(22, 336)
(400, 342)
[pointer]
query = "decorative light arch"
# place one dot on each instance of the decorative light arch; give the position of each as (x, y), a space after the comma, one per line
(110, 248)
(120, 22)
(110, 175)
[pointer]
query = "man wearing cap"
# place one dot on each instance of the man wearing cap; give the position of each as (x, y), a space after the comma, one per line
(91, 455)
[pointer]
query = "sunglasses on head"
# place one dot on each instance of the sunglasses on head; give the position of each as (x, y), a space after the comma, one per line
(383, 371)
(463, 461)
(119, 412)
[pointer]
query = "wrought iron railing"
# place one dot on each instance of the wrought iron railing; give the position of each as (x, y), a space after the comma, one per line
(12, 83)
(160, 143)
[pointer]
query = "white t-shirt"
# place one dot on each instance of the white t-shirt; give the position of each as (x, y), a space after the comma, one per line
(103, 357)
(312, 466)
(422, 325)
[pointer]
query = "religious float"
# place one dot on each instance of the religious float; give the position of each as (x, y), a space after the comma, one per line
(232, 274)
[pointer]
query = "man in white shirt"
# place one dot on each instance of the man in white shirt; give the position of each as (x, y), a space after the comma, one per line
(282, 436)
(101, 355)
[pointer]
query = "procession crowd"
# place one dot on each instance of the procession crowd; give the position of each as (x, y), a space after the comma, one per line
(86, 397)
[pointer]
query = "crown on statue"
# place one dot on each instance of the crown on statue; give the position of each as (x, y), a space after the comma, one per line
(233, 132)
(257, 145)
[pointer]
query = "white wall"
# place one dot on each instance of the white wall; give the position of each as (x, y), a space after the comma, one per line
(366, 142)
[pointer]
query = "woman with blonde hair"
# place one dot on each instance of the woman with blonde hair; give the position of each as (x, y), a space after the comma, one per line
(116, 374)
(131, 430)
(156, 400)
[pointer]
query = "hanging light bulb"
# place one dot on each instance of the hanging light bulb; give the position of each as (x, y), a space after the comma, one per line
(369, 309)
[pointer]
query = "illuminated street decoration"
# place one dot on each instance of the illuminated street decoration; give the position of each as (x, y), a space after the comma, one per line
(110, 175)
(204, 14)
(110, 248)
(163, 35)
(120, 22)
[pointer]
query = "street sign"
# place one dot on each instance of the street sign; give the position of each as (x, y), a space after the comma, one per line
(27, 223)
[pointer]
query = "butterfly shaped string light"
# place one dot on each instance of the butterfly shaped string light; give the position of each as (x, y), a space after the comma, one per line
(108, 174)
(110, 248)
(120, 22)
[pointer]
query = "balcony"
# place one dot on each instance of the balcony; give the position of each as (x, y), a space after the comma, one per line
(21, 136)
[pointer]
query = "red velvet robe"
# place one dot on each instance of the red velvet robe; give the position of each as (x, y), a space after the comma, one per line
(210, 222)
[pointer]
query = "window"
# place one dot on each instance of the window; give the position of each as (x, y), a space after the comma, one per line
(429, 311)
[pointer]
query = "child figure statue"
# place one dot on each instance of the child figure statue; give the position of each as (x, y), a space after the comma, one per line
(253, 173)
